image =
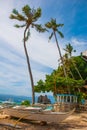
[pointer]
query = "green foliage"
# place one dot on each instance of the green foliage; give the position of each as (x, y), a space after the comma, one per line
(54, 26)
(39, 28)
(29, 17)
(26, 10)
(37, 14)
(40, 86)
(25, 103)
(15, 11)
(57, 83)
(82, 67)
(81, 96)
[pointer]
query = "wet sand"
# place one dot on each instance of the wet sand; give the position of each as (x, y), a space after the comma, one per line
(77, 121)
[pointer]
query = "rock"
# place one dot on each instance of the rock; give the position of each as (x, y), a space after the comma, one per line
(43, 99)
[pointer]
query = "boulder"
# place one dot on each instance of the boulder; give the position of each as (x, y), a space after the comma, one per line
(43, 99)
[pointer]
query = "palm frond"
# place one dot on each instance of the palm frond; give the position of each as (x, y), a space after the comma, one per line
(21, 17)
(19, 26)
(18, 17)
(36, 14)
(53, 21)
(60, 25)
(60, 33)
(13, 16)
(39, 28)
(50, 36)
(26, 10)
(48, 25)
(15, 12)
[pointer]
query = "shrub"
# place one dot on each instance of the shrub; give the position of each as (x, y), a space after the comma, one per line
(25, 103)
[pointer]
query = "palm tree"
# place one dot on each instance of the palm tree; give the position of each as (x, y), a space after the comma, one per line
(54, 26)
(67, 65)
(28, 18)
(69, 50)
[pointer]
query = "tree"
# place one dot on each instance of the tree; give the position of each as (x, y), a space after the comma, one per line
(28, 19)
(69, 50)
(54, 26)
(60, 85)
(67, 63)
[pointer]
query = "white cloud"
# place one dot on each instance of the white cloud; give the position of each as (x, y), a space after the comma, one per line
(42, 51)
(77, 42)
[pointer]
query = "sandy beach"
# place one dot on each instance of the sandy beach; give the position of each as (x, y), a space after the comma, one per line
(77, 121)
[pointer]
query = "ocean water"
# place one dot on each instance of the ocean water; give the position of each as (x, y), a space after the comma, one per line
(19, 99)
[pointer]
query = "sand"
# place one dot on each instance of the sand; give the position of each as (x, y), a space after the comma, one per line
(77, 121)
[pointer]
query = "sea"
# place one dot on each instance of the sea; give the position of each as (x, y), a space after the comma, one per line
(18, 99)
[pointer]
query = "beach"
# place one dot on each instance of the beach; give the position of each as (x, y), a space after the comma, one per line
(77, 121)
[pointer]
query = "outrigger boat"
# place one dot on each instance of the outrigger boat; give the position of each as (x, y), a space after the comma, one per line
(38, 114)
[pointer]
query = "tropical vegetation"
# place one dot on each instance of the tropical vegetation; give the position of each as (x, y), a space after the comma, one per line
(57, 83)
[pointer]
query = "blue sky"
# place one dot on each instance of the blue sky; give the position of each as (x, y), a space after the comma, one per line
(14, 77)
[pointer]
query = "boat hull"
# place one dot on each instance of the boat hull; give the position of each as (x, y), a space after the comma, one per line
(38, 116)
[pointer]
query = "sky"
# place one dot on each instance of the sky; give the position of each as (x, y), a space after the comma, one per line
(14, 76)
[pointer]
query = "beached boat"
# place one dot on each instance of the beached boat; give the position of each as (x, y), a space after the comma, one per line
(38, 115)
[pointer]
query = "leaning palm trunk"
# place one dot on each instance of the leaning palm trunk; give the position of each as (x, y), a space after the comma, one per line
(68, 70)
(29, 67)
(71, 74)
(60, 55)
(77, 70)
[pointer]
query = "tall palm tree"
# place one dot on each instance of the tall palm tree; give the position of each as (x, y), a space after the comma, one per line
(69, 50)
(28, 18)
(54, 26)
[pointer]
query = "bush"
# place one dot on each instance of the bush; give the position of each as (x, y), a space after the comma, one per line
(25, 103)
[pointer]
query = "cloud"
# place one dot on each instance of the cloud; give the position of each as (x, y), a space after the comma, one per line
(77, 42)
(14, 71)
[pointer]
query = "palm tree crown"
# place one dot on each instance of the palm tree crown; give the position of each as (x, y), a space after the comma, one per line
(29, 17)
(54, 26)
(69, 49)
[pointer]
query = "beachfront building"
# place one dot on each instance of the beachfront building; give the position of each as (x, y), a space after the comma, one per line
(84, 55)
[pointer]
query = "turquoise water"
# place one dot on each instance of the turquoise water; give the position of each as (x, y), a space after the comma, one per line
(19, 99)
